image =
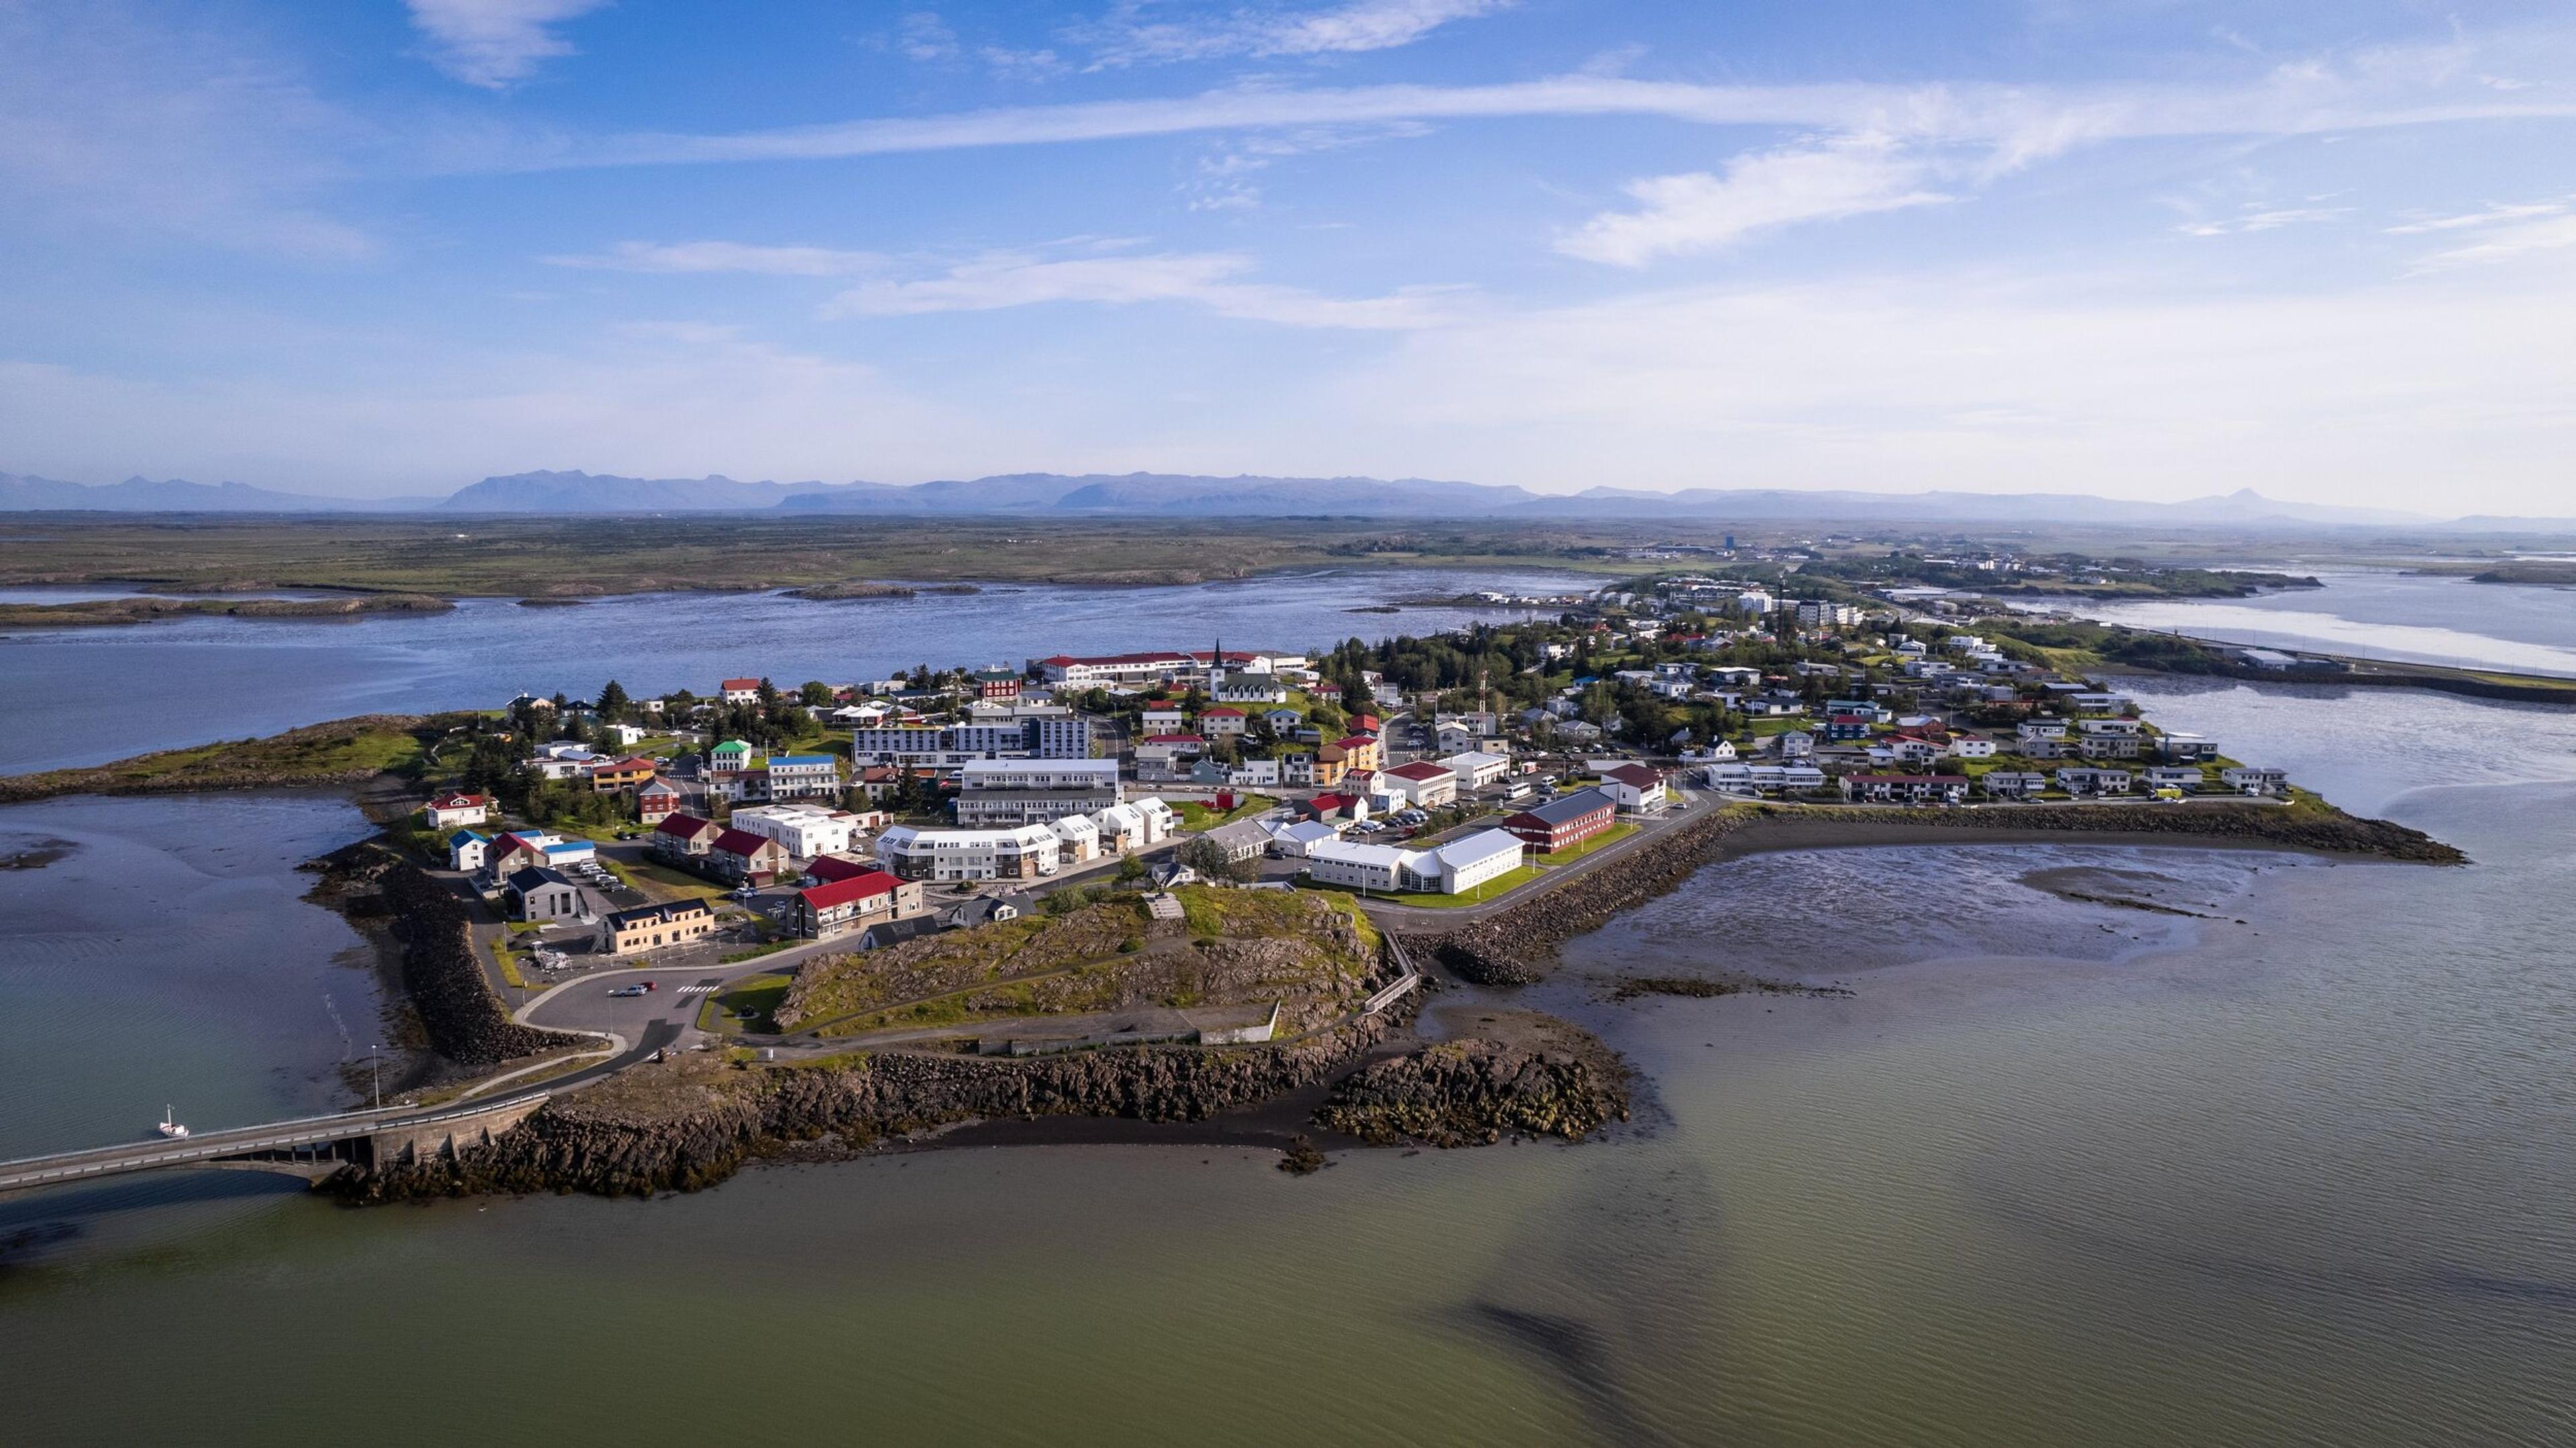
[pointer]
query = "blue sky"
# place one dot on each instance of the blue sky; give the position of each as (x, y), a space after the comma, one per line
(2145, 248)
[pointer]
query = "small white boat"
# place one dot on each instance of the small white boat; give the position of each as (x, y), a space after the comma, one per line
(168, 1126)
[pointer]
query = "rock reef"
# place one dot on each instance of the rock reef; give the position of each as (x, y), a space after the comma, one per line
(461, 1017)
(1472, 1091)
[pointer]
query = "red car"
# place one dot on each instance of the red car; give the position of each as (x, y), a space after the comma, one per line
(648, 985)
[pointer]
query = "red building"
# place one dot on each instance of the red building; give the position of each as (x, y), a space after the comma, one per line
(1564, 822)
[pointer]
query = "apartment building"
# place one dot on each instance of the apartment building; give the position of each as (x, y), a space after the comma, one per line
(1000, 792)
(1025, 852)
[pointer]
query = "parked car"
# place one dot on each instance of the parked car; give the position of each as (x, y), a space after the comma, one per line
(619, 992)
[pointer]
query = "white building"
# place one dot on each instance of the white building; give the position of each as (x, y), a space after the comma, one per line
(1024, 853)
(1482, 856)
(1034, 791)
(802, 830)
(1451, 869)
(1420, 784)
(1078, 839)
(1636, 787)
(1476, 769)
(1360, 867)
(1292, 841)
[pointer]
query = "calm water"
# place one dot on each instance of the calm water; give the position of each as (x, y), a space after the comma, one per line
(2386, 615)
(2058, 1173)
(85, 696)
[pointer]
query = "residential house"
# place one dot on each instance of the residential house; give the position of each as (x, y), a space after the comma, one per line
(2184, 777)
(2081, 782)
(651, 927)
(516, 850)
(745, 858)
(1282, 720)
(1078, 839)
(1905, 788)
(1564, 822)
(986, 910)
(996, 684)
(616, 775)
(2249, 780)
(1329, 807)
(1356, 751)
(1164, 718)
(2187, 748)
(1845, 728)
(1168, 754)
(1422, 784)
(1241, 840)
(683, 839)
(740, 691)
(855, 902)
(732, 756)
(659, 800)
(2012, 783)
(466, 850)
(449, 811)
(1636, 787)
(1255, 774)
(1223, 721)
(533, 893)
(1969, 746)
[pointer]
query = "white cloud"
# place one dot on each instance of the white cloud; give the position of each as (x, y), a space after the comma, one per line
(180, 127)
(727, 256)
(2506, 243)
(1129, 35)
(492, 43)
(2447, 396)
(1700, 212)
(2264, 219)
(1210, 280)
(923, 37)
(2491, 216)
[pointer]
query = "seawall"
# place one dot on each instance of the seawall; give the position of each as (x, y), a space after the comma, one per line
(1518, 944)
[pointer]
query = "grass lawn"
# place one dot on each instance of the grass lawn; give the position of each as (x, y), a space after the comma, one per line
(1196, 816)
(509, 960)
(758, 994)
(1492, 889)
(668, 884)
(1601, 841)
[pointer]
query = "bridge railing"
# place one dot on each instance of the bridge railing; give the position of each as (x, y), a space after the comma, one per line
(103, 1160)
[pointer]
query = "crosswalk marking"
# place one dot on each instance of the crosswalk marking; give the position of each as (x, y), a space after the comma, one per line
(698, 990)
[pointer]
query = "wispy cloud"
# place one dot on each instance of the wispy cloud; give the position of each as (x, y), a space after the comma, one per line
(702, 257)
(494, 43)
(1131, 34)
(1699, 211)
(1215, 281)
(2506, 243)
(2256, 218)
(2490, 216)
(177, 127)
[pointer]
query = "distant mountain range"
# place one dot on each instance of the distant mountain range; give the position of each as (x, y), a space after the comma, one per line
(1187, 495)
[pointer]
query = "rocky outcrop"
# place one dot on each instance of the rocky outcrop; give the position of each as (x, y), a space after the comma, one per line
(694, 1121)
(1472, 1091)
(440, 972)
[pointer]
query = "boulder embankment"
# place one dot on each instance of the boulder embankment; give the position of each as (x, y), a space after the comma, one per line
(1547, 1078)
(695, 1120)
(1516, 945)
(441, 974)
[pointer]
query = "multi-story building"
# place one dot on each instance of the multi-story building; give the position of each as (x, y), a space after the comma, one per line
(803, 830)
(1045, 736)
(1029, 791)
(855, 902)
(1476, 769)
(1421, 784)
(745, 858)
(1564, 822)
(650, 927)
(804, 776)
(1022, 853)
(2094, 781)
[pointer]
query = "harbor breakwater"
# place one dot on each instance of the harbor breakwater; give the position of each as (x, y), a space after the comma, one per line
(1517, 944)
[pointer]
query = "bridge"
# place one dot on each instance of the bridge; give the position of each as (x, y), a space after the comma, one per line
(315, 1148)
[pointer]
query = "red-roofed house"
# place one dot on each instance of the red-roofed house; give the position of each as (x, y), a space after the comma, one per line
(1635, 786)
(1335, 806)
(742, 856)
(741, 691)
(1356, 751)
(1423, 784)
(632, 773)
(510, 852)
(448, 811)
(1220, 720)
(1367, 724)
(684, 838)
(838, 907)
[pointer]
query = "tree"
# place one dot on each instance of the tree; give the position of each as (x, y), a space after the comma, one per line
(1210, 860)
(614, 706)
(815, 694)
(1130, 870)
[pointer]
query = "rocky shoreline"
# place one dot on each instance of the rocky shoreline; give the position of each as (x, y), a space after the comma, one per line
(460, 1017)
(1472, 1092)
(1517, 945)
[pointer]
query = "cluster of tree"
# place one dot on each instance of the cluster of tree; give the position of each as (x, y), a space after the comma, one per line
(1209, 859)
